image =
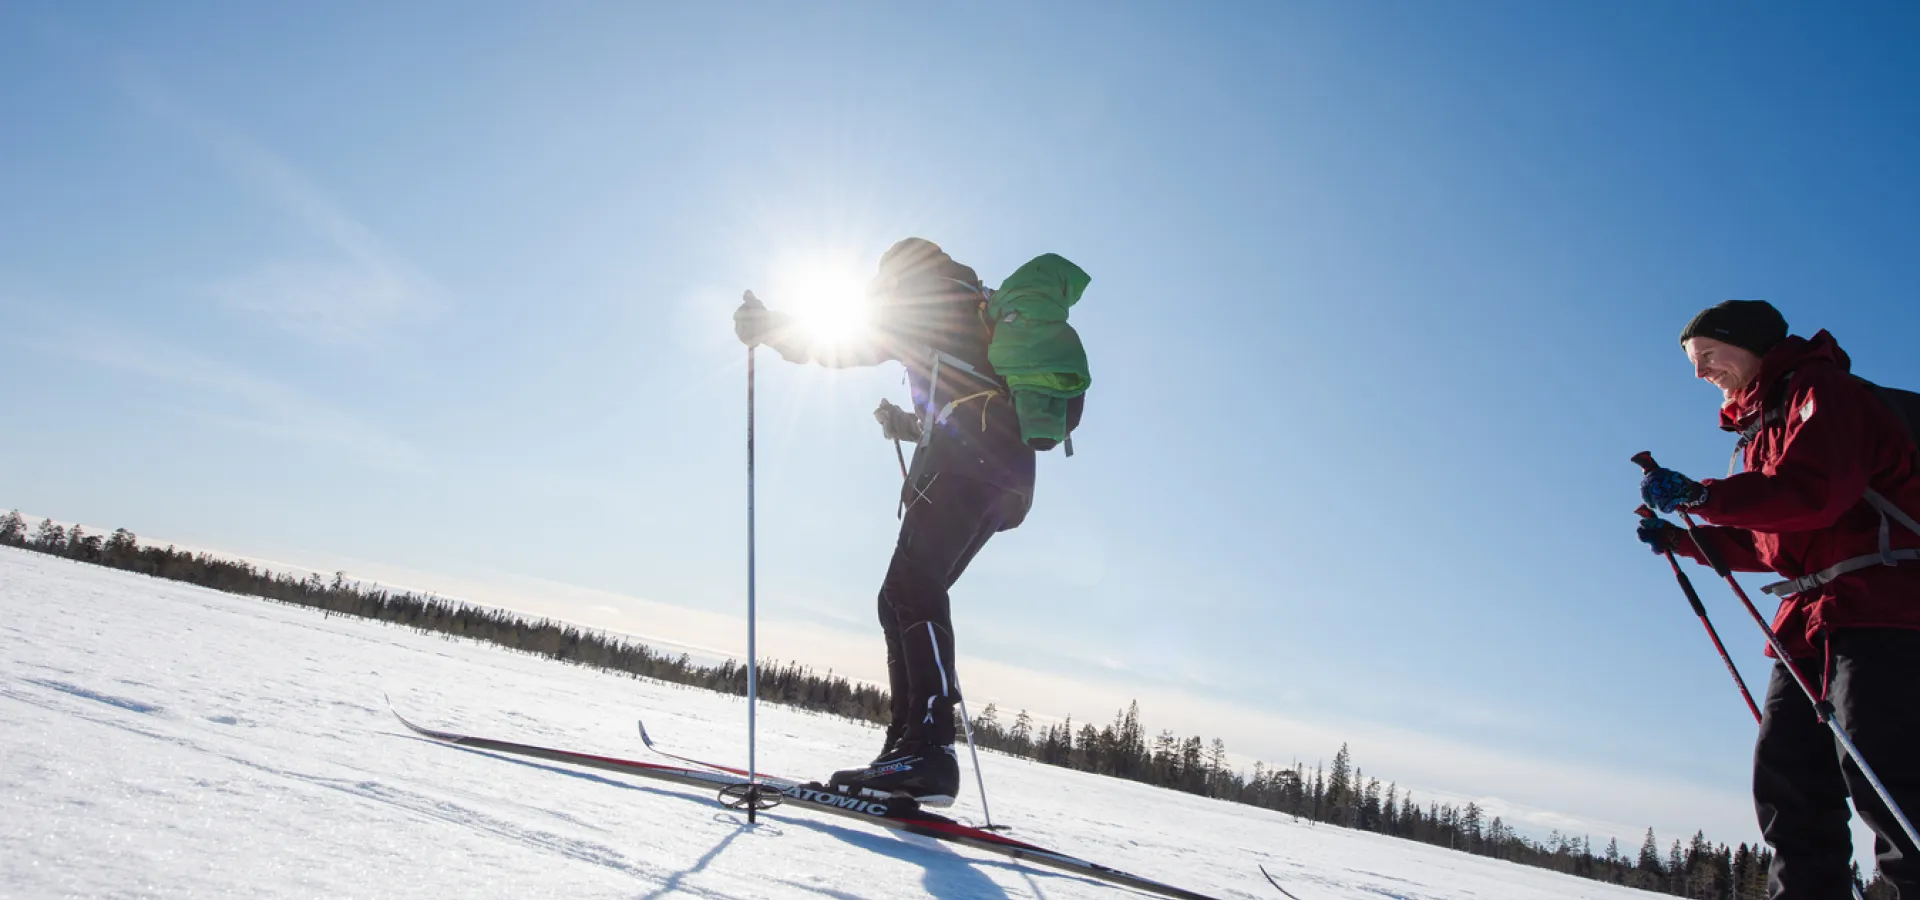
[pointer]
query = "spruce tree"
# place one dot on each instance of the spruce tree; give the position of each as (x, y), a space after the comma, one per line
(1130, 744)
(1650, 854)
(1339, 783)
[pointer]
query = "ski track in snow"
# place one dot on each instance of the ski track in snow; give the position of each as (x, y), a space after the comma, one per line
(160, 740)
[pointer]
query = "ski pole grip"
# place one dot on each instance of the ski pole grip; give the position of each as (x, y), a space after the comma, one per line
(1644, 459)
(1686, 584)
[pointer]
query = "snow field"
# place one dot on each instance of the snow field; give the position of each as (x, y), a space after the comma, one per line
(162, 740)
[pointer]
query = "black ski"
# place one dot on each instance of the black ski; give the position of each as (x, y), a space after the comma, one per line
(897, 814)
(1276, 884)
(763, 777)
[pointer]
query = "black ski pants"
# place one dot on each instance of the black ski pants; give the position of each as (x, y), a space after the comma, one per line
(1802, 776)
(948, 519)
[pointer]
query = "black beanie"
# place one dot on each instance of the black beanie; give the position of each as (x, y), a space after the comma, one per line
(911, 256)
(1752, 325)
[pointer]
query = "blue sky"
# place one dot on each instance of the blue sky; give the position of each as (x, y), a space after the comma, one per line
(1384, 296)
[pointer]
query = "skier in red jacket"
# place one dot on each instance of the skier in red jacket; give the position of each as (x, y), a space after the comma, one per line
(1830, 474)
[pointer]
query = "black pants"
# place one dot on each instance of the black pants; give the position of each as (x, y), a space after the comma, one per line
(1802, 776)
(948, 519)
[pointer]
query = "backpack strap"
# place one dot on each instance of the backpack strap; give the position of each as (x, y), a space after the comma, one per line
(1809, 582)
(1886, 557)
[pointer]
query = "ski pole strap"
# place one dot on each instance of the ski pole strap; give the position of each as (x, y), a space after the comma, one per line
(1809, 582)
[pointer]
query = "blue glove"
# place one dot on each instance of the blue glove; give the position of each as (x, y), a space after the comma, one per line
(1667, 490)
(1663, 536)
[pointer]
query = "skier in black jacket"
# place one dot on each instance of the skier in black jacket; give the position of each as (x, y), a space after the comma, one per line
(972, 477)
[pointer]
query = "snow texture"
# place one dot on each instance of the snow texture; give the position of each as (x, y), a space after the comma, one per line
(161, 740)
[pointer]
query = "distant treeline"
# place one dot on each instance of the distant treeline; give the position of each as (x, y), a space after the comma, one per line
(1340, 794)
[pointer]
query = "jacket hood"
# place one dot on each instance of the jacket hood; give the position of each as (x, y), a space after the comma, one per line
(1787, 357)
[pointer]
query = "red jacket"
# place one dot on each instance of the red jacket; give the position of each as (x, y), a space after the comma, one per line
(1799, 508)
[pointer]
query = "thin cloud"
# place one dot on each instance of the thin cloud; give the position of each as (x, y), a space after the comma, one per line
(349, 287)
(229, 397)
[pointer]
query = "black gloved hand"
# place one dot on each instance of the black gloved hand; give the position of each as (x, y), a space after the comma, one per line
(1663, 536)
(896, 423)
(754, 324)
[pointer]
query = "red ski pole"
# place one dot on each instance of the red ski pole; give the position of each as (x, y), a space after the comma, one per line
(1699, 609)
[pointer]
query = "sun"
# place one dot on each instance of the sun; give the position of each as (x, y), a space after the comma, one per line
(826, 297)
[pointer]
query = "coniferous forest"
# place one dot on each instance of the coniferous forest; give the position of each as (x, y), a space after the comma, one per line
(1338, 794)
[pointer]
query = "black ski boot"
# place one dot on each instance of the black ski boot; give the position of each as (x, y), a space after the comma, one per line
(929, 775)
(892, 743)
(887, 748)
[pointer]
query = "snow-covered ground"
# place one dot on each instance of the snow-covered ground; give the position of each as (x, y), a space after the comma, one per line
(160, 740)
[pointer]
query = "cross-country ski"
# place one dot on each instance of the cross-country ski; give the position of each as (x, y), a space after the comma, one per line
(903, 815)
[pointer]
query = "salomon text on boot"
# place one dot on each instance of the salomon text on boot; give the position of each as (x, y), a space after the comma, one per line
(928, 775)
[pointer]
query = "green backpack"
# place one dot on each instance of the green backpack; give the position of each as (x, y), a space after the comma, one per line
(1034, 349)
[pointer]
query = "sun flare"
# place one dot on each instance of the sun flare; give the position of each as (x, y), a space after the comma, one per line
(827, 299)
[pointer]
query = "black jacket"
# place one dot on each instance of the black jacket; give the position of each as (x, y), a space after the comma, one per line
(938, 308)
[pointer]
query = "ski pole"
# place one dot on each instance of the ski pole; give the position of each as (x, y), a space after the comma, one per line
(753, 659)
(979, 778)
(1821, 706)
(1699, 609)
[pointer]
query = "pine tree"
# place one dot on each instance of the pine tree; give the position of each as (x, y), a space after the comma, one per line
(1742, 872)
(50, 538)
(1021, 737)
(1193, 766)
(1217, 771)
(1319, 795)
(1129, 744)
(83, 546)
(13, 529)
(1090, 755)
(1650, 854)
(1166, 759)
(1339, 783)
(121, 545)
(986, 728)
